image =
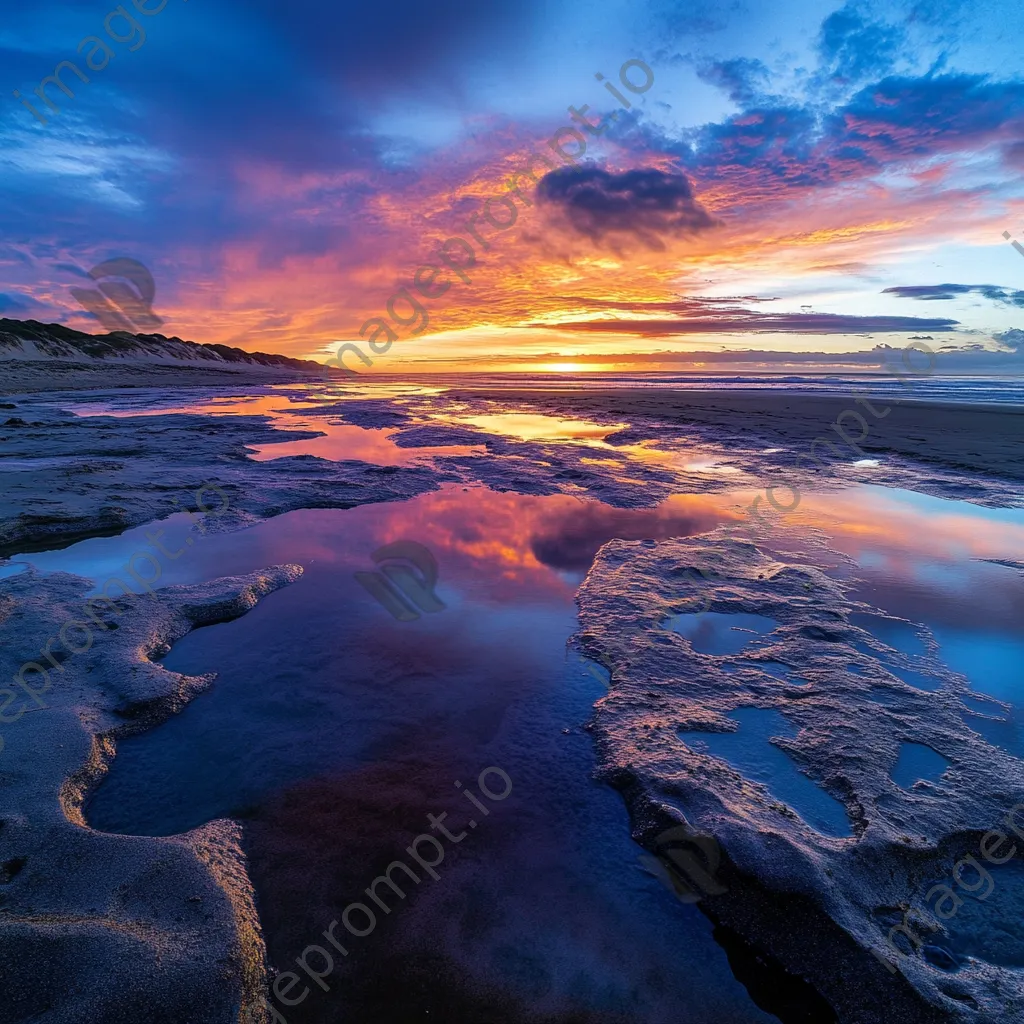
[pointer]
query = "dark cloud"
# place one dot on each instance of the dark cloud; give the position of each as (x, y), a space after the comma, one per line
(928, 292)
(694, 305)
(702, 315)
(775, 144)
(647, 204)
(291, 83)
(765, 150)
(910, 117)
(936, 292)
(226, 99)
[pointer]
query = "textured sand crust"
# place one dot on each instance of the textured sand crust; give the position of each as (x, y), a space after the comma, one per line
(97, 927)
(71, 477)
(814, 903)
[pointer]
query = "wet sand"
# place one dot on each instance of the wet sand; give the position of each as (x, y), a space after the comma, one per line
(970, 438)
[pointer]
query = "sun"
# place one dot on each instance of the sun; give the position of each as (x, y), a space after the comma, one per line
(564, 368)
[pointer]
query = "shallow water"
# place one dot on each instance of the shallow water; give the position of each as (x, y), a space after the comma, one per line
(903, 559)
(333, 727)
(917, 762)
(319, 687)
(750, 751)
(346, 441)
(958, 389)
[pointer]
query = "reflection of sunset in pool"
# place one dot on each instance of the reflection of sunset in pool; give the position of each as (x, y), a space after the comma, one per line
(538, 427)
(216, 405)
(344, 441)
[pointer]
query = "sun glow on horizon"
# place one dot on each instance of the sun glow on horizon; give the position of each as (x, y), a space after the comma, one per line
(567, 368)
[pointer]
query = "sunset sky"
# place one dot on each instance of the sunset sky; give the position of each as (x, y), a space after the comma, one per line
(800, 177)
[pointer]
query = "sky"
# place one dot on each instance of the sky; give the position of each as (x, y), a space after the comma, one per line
(770, 186)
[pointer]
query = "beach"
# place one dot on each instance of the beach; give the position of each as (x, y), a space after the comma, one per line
(134, 516)
(951, 435)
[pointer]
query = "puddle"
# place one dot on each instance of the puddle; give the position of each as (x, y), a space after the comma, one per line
(983, 707)
(164, 403)
(721, 632)
(332, 729)
(919, 680)
(101, 558)
(917, 761)
(345, 441)
(749, 751)
(538, 427)
(337, 443)
(1003, 734)
(534, 530)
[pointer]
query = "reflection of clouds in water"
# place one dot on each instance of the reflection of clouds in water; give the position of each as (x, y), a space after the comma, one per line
(572, 541)
(920, 557)
(906, 524)
(340, 441)
(530, 534)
